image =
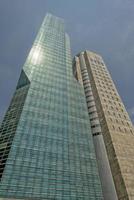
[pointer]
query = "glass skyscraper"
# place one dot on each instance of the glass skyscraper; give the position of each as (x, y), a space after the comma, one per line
(46, 145)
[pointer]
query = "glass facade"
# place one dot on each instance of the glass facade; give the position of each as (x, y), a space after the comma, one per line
(51, 153)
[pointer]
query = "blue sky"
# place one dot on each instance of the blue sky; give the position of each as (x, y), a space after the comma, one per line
(105, 27)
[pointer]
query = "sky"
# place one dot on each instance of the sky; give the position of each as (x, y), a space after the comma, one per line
(103, 26)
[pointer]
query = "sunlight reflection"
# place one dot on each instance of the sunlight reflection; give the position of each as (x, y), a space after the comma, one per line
(36, 55)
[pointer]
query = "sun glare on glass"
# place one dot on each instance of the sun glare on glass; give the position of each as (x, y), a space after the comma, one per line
(36, 55)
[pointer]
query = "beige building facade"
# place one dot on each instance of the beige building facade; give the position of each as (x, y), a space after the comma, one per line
(112, 129)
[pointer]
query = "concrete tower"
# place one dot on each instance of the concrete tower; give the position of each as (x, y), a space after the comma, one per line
(112, 130)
